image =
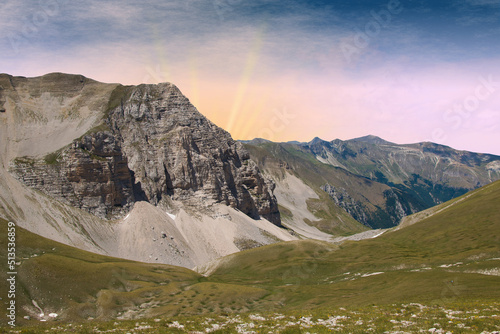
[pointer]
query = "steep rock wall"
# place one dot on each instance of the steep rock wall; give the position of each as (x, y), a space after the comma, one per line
(151, 145)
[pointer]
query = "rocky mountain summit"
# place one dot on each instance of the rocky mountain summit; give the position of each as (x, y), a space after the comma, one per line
(128, 171)
(174, 150)
(150, 145)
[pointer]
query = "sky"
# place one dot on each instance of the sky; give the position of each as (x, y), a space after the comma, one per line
(404, 70)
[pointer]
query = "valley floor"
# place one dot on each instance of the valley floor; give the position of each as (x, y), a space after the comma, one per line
(448, 317)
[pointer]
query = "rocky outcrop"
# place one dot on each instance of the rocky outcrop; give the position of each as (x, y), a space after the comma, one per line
(396, 206)
(152, 145)
(342, 198)
(92, 174)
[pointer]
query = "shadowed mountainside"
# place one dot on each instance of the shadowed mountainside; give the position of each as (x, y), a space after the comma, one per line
(375, 181)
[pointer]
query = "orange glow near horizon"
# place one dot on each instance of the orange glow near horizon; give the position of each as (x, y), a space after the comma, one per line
(330, 105)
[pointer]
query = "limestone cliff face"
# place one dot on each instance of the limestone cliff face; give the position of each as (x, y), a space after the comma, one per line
(175, 151)
(396, 207)
(153, 145)
(92, 174)
(342, 198)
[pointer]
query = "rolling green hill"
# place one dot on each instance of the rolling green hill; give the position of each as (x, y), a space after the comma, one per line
(454, 253)
(78, 285)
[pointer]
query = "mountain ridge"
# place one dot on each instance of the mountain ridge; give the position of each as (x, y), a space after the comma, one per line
(344, 154)
(372, 139)
(417, 176)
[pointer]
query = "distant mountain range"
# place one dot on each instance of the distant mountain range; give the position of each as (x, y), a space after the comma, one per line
(378, 182)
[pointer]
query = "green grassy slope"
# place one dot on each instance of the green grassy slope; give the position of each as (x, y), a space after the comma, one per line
(444, 256)
(79, 285)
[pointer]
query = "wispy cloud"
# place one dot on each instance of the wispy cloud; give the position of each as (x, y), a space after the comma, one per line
(406, 70)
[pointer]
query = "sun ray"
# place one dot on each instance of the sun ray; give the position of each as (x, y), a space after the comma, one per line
(251, 62)
(248, 127)
(160, 64)
(193, 73)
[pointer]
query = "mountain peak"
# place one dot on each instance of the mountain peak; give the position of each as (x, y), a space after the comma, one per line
(372, 140)
(317, 140)
(158, 119)
(255, 141)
